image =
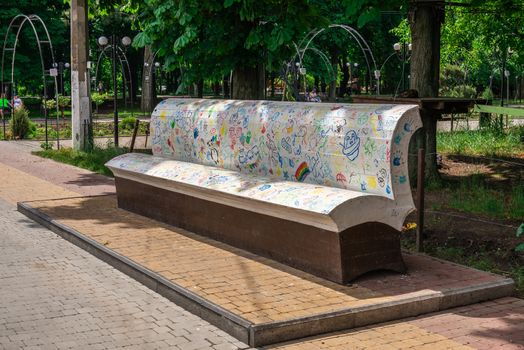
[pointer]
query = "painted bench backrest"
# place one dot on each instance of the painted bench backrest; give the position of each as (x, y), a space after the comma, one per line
(361, 147)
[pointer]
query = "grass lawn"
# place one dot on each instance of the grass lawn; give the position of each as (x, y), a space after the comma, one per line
(477, 195)
(93, 160)
(486, 142)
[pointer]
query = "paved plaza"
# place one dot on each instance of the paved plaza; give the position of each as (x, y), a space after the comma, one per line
(55, 295)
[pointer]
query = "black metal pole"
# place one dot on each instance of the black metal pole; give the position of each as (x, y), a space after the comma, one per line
(502, 82)
(45, 116)
(3, 96)
(60, 74)
(115, 96)
(133, 138)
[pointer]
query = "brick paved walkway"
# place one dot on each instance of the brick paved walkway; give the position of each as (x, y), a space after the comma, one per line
(17, 155)
(51, 291)
(255, 288)
(55, 295)
(491, 325)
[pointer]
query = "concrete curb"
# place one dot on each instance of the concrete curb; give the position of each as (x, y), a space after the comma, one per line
(414, 304)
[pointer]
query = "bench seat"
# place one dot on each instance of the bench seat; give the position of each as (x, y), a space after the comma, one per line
(316, 205)
(320, 187)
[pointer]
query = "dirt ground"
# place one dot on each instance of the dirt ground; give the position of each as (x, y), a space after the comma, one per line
(472, 234)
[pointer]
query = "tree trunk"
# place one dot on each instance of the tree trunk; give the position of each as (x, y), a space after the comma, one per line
(225, 83)
(323, 86)
(146, 104)
(273, 76)
(249, 83)
(333, 84)
(345, 79)
(200, 88)
(425, 19)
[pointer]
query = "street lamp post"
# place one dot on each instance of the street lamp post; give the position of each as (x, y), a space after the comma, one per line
(403, 52)
(61, 67)
(506, 56)
(103, 42)
(151, 71)
(506, 75)
(159, 76)
(355, 66)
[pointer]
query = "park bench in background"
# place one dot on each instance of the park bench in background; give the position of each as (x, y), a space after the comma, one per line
(320, 187)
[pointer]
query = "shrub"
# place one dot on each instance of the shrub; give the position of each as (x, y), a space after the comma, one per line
(32, 101)
(20, 125)
(128, 123)
(49, 104)
(466, 91)
(520, 232)
(64, 101)
(487, 94)
(46, 146)
(99, 98)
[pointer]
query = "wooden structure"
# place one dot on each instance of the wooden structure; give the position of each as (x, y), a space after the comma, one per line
(320, 187)
(431, 110)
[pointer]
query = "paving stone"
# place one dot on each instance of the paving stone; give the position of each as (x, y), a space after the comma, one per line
(55, 295)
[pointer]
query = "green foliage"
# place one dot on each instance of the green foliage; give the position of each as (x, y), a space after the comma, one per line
(474, 195)
(224, 35)
(520, 232)
(484, 142)
(20, 125)
(93, 160)
(487, 94)
(64, 101)
(28, 72)
(98, 98)
(466, 91)
(128, 123)
(46, 146)
(476, 39)
(30, 101)
(49, 104)
(106, 129)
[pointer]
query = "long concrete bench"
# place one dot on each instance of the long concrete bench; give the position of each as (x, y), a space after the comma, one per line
(320, 187)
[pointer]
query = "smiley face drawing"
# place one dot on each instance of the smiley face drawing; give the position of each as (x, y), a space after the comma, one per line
(351, 145)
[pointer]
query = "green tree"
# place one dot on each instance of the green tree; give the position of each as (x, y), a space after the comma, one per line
(54, 13)
(248, 37)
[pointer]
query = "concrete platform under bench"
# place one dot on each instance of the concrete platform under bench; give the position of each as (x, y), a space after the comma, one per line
(257, 300)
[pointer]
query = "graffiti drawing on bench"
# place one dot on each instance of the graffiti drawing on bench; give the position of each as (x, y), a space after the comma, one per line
(320, 187)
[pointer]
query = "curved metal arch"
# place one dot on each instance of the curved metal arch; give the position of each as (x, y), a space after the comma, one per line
(150, 63)
(323, 58)
(120, 54)
(19, 21)
(362, 43)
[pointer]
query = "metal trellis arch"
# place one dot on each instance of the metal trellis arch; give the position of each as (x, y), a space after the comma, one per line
(124, 65)
(44, 46)
(304, 44)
